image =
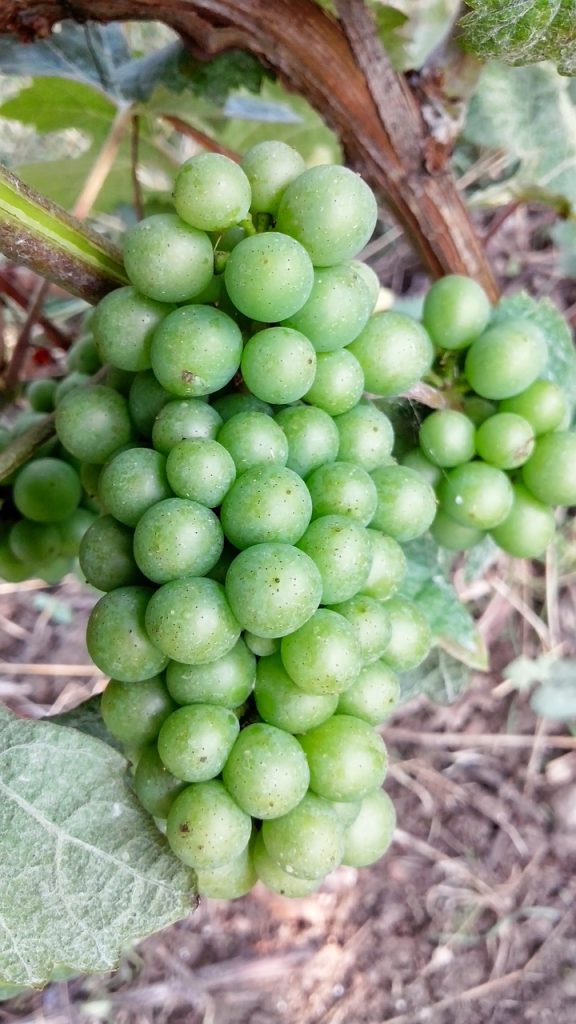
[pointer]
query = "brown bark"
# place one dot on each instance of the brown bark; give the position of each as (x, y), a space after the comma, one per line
(342, 71)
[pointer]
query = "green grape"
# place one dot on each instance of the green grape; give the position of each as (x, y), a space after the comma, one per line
(266, 504)
(227, 682)
(371, 280)
(506, 359)
(177, 538)
(370, 835)
(340, 548)
(343, 489)
(550, 473)
(195, 351)
(253, 439)
(528, 528)
(230, 405)
(346, 757)
(415, 459)
(72, 530)
(476, 495)
(366, 436)
(331, 211)
(311, 435)
(373, 696)
(406, 502)
(262, 646)
(11, 568)
(145, 400)
(268, 277)
(205, 827)
(227, 240)
(505, 440)
(447, 438)
(273, 589)
(231, 880)
(543, 404)
(388, 566)
(55, 571)
(168, 260)
(40, 393)
(132, 482)
(190, 621)
(70, 383)
(201, 470)
(282, 703)
(275, 878)
(478, 409)
(324, 655)
(270, 167)
(452, 535)
(82, 356)
(184, 419)
(89, 477)
(370, 621)
(337, 309)
(211, 192)
(117, 639)
(218, 572)
(35, 542)
(266, 772)
(134, 712)
(124, 323)
(411, 637)
(278, 365)
(47, 490)
(119, 380)
(106, 556)
(394, 351)
(194, 741)
(456, 311)
(338, 383)
(93, 422)
(154, 786)
(308, 841)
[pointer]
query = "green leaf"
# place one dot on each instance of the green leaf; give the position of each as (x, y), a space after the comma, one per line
(523, 31)
(79, 52)
(87, 718)
(84, 870)
(411, 29)
(440, 677)
(52, 104)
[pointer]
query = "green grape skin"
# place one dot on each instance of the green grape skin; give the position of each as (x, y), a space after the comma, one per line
(40, 394)
(340, 549)
(394, 351)
(415, 459)
(456, 311)
(218, 572)
(338, 383)
(366, 436)
(93, 422)
(308, 841)
(132, 482)
(205, 828)
(528, 528)
(175, 538)
(47, 490)
(387, 568)
(275, 878)
(506, 359)
(411, 636)
(82, 356)
(119, 380)
(261, 646)
(227, 682)
(55, 571)
(452, 535)
(167, 260)
(270, 167)
(324, 655)
(371, 280)
(190, 621)
(146, 398)
(154, 786)
(343, 489)
(195, 741)
(117, 639)
(124, 323)
(331, 211)
(346, 757)
(33, 542)
(278, 365)
(212, 192)
(70, 383)
(268, 277)
(184, 419)
(195, 351)
(550, 473)
(370, 622)
(106, 555)
(230, 405)
(505, 440)
(12, 570)
(200, 470)
(406, 503)
(476, 495)
(89, 475)
(227, 240)
(273, 589)
(337, 308)
(373, 695)
(253, 439)
(266, 504)
(311, 435)
(447, 438)
(134, 712)
(283, 704)
(266, 772)
(231, 880)
(71, 531)
(543, 404)
(478, 409)
(369, 836)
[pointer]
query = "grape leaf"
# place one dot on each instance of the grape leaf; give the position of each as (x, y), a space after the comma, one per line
(78, 52)
(52, 104)
(440, 677)
(523, 31)
(411, 29)
(84, 869)
(86, 718)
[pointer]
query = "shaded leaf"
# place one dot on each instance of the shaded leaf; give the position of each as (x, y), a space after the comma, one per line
(440, 677)
(78, 52)
(411, 29)
(87, 718)
(523, 31)
(480, 558)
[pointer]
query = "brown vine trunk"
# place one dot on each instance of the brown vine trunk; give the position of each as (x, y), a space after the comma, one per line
(341, 69)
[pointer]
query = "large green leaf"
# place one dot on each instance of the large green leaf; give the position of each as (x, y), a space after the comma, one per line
(52, 104)
(84, 870)
(411, 29)
(79, 52)
(523, 31)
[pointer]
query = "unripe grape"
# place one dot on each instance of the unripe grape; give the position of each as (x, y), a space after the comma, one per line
(347, 758)
(543, 404)
(452, 535)
(269, 276)
(275, 878)
(528, 528)
(132, 482)
(134, 712)
(282, 703)
(184, 418)
(253, 439)
(273, 589)
(229, 881)
(228, 681)
(205, 827)
(338, 382)
(201, 470)
(456, 311)
(167, 260)
(266, 772)
(370, 834)
(211, 192)
(476, 495)
(550, 473)
(415, 459)
(311, 435)
(106, 555)
(93, 422)
(117, 638)
(366, 436)
(190, 621)
(40, 393)
(343, 489)
(47, 490)
(406, 502)
(195, 351)
(278, 365)
(506, 359)
(146, 398)
(447, 438)
(270, 167)
(266, 504)
(371, 624)
(175, 538)
(324, 655)
(308, 841)
(194, 741)
(387, 568)
(336, 310)
(373, 696)
(410, 638)
(154, 786)
(394, 352)
(35, 542)
(340, 548)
